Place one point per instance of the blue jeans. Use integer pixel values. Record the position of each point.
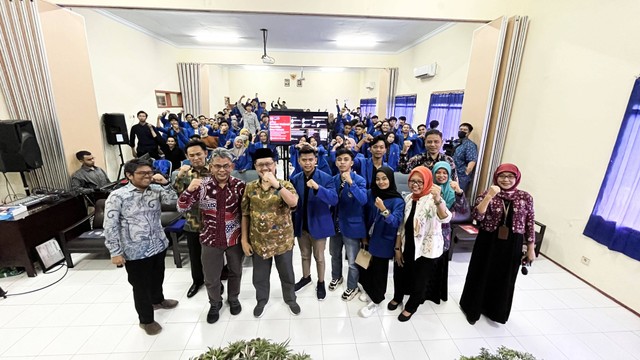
(464, 180)
(352, 247)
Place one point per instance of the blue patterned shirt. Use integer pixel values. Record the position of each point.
(132, 225)
(465, 153)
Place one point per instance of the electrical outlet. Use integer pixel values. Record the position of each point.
(585, 260)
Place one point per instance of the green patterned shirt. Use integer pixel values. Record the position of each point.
(192, 216)
(271, 226)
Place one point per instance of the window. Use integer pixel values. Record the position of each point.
(405, 104)
(168, 99)
(615, 219)
(367, 106)
(446, 109)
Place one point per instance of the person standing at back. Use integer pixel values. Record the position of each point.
(465, 156)
(197, 156)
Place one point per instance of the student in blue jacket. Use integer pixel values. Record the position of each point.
(323, 165)
(241, 158)
(368, 166)
(293, 155)
(312, 221)
(262, 141)
(392, 156)
(384, 214)
(348, 217)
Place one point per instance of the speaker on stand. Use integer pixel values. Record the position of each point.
(19, 149)
(115, 129)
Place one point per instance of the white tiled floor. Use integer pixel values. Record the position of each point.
(90, 315)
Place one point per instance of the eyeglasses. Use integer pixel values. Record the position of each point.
(416, 182)
(506, 177)
(219, 167)
(144, 173)
(265, 165)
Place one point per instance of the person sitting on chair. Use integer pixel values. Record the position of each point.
(89, 177)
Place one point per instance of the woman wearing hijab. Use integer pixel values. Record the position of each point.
(293, 155)
(506, 220)
(241, 159)
(384, 213)
(323, 165)
(456, 202)
(419, 251)
(392, 156)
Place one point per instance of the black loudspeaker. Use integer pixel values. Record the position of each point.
(19, 150)
(115, 127)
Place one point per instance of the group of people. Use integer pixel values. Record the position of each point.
(242, 127)
(231, 219)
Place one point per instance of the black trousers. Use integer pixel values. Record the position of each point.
(374, 278)
(146, 277)
(195, 256)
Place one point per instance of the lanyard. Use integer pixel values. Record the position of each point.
(506, 211)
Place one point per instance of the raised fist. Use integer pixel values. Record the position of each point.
(493, 190)
(195, 184)
(379, 204)
(407, 144)
(436, 191)
(455, 186)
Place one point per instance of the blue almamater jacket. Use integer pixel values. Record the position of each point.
(319, 201)
(382, 240)
(350, 208)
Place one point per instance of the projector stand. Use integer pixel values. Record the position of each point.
(121, 162)
(24, 183)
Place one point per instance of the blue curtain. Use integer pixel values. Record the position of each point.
(446, 108)
(615, 220)
(404, 106)
(367, 106)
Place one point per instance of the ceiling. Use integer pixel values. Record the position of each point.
(241, 31)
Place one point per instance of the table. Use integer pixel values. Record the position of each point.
(18, 238)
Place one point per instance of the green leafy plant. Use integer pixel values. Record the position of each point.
(502, 353)
(255, 349)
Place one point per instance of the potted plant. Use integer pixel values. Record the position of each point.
(253, 349)
(502, 353)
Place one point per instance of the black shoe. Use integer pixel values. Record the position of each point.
(392, 306)
(221, 289)
(234, 307)
(214, 313)
(302, 283)
(404, 318)
(321, 292)
(258, 311)
(224, 275)
(193, 290)
(294, 309)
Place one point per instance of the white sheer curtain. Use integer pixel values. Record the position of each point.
(189, 79)
(26, 85)
(393, 86)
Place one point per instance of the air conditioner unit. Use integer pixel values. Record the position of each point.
(425, 71)
(370, 85)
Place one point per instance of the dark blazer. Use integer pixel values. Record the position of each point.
(318, 205)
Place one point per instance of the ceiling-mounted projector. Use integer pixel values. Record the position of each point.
(266, 59)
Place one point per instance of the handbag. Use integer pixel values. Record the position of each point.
(363, 258)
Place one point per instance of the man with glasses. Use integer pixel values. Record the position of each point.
(433, 143)
(218, 201)
(135, 237)
(197, 155)
(267, 230)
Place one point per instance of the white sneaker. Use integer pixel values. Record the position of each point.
(369, 310)
(364, 297)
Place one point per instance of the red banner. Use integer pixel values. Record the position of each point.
(280, 128)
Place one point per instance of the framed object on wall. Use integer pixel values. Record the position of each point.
(287, 82)
(168, 99)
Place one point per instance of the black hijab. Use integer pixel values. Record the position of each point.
(391, 191)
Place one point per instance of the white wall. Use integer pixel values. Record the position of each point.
(580, 63)
(450, 50)
(128, 66)
(319, 89)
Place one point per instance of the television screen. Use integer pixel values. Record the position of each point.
(286, 127)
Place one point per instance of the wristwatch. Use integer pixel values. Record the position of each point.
(385, 213)
(279, 187)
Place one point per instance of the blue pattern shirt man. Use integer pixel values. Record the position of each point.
(465, 156)
(135, 238)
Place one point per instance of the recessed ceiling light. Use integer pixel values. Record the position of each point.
(214, 37)
(356, 41)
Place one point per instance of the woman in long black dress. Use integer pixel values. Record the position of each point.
(506, 220)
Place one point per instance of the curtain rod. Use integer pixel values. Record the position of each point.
(448, 92)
